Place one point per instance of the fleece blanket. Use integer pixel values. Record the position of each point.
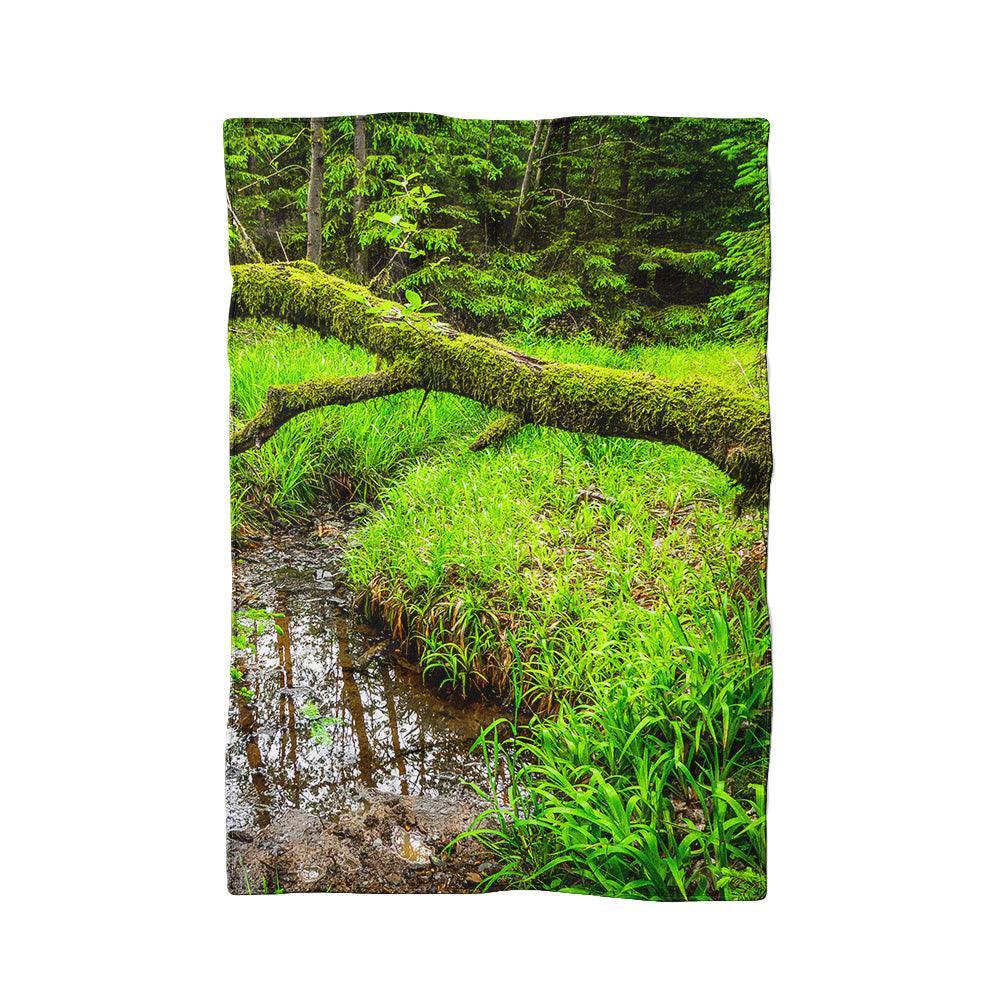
(500, 458)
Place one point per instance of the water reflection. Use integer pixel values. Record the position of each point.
(390, 732)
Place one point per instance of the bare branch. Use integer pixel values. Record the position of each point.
(594, 205)
(249, 247)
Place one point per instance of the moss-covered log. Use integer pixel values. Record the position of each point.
(501, 429)
(727, 428)
(286, 401)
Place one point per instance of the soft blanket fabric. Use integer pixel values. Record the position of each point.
(500, 459)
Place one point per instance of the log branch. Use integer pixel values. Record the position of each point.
(286, 401)
(501, 428)
(728, 428)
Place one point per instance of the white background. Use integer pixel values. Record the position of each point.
(883, 871)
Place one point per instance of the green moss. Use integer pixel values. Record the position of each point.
(730, 429)
(501, 428)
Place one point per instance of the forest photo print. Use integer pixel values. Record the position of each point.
(500, 460)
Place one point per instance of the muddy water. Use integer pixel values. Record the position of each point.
(336, 710)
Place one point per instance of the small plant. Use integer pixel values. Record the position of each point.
(415, 306)
(241, 689)
(403, 228)
(244, 634)
(265, 888)
(320, 725)
(243, 625)
(741, 884)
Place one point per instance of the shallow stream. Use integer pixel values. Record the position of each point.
(335, 708)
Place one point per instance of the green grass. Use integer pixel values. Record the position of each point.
(352, 452)
(334, 453)
(653, 786)
(603, 583)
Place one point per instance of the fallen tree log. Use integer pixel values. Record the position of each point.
(729, 429)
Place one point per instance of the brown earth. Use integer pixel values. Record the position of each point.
(392, 844)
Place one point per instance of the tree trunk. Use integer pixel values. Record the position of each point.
(592, 191)
(624, 173)
(527, 175)
(564, 167)
(541, 156)
(728, 428)
(252, 170)
(359, 256)
(314, 199)
(488, 186)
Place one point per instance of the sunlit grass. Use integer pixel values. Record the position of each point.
(352, 451)
(333, 453)
(653, 787)
(602, 582)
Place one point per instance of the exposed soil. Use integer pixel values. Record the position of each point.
(393, 843)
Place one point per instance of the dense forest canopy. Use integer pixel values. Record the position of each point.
(632, 229)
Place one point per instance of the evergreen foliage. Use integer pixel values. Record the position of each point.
(631, 229)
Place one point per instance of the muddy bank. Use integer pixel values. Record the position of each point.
(344, 772)
(392, 843)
